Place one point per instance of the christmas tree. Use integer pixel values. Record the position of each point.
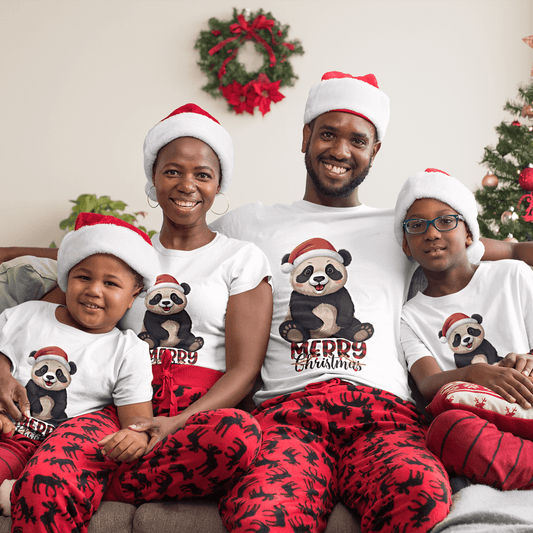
(506, 195)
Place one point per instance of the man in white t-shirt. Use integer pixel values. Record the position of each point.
(337, 416)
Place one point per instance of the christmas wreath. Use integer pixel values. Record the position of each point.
(244, 91)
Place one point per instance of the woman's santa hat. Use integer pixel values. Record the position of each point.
(166, 281)
(308, 249)
(359, 95)
(452, 323)
(439, 185)
(189, 120)
(104, 234)
(54, 353)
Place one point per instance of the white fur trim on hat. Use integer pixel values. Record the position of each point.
(106, 238)
(352, 94)
(440, 186)
(189, 124)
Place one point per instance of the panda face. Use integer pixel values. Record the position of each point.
(466, 338)
(50, 375)
(319, 276)
(165, 301)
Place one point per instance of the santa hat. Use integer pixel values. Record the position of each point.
(452, 323)
(166, 281)
(433, 183)
(189, 120)
(103, 234)
(311, 248)
(360, 96)
(51, 352)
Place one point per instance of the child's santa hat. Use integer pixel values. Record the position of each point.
(54, 353)
(452, 323)
(433, 183)
(306, 250)
(103, 234)
(189, 120)
(360, 96)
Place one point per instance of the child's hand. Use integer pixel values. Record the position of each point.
(157, 428)
(125, 445)
(523, 362)
(7, 428)
(509, 383)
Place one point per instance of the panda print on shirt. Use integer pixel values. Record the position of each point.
(466, 339)
(321, 307)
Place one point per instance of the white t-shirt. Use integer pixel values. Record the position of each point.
(110, 368)
(214, 272)
(377, 282)
(500, 292)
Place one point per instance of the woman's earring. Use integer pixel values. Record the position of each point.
(227, 207)
(148, 199)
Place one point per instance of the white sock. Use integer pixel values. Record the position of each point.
(5, 496)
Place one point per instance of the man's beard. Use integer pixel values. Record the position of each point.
(331, 192)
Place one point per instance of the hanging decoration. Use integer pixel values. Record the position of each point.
(228, 77)
(490, 180)
(526, 182)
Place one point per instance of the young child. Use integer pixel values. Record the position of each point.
(73, 360)
(436, 225)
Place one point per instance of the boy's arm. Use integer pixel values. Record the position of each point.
(8, 253)
(495, 250)
(127, 445)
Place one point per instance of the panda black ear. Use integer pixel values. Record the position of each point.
(186, 288)
(73, 368)
(346, 257)
(285, 259)
(477, 318)
(32, 354)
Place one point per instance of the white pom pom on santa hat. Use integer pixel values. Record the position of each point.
(189, 120)
(103, 234)
(311, 248)
(359, 95)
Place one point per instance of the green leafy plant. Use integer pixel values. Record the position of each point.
(90, 203)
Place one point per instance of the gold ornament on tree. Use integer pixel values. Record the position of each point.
(510, 238)
(490, 180)
(527, 111)
(509, 216)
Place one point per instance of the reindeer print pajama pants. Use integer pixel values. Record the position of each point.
(339, 442)
(67, 477)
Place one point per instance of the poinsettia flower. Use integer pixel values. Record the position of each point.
(265, 92)
(238, 97)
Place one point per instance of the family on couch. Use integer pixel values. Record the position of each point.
(335, 419)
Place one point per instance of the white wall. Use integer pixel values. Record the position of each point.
(82, 81)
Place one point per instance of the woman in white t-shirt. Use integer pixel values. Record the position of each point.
(205, 358)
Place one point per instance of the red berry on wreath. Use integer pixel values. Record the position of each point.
(526, 179)
(490, 180)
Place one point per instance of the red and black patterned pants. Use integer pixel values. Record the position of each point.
(66, 478)
(339, 442)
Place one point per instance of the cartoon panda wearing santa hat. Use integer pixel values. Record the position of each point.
(51, 374)
(466, 338)
(320, 305)
(166, 323)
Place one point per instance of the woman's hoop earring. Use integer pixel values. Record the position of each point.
(227, 207)
(148, 199)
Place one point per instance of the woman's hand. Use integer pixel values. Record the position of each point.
(12, 392)
(7, 428)
(125, 445)
(522, 362)
(509, 383)
(157, 428)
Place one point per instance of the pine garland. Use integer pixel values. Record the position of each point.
(227, 77)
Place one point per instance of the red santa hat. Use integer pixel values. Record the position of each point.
(166, 281)
(54, 353)
(311, 248)
(434, 183)
(189, 120)
(359, 95)
(104, 234)
(452, 323)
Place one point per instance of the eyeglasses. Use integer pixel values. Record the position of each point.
(417, 226)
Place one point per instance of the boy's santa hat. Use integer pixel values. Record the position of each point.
(312, 248)
(452, 323)
(54, 353)
(104, 234)
(359, 95)
(166, 281)
(439, 185)
(189, 120)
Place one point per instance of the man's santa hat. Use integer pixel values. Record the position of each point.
(452, 323)
(189, 120)
(439, 185)
(104, 234)
(166, 281)
(54, 353)
(359, 95)
(308, 249)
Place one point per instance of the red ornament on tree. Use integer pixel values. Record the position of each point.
(526, 179)
(490, 180)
